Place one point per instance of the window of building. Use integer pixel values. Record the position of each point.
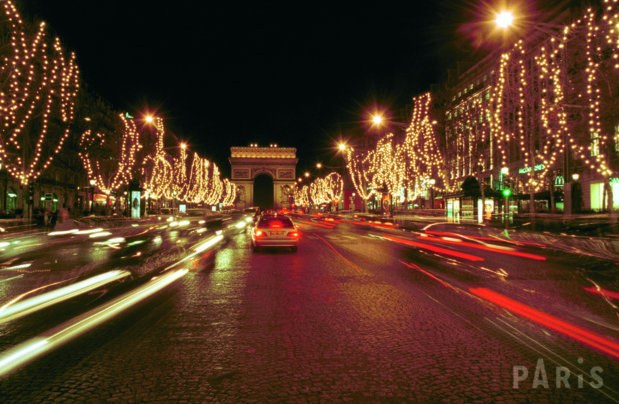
(485, 77)
(487, 115)
(465, 90)
(11, 200)
(459, 94)
(595, 144)
(454, 98)
(448, 116)
(617, 138)
(471, 87)
(488, 94)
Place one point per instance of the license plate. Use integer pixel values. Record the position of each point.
(277, 233)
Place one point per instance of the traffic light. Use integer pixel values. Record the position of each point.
(30, 193)
(507, 192)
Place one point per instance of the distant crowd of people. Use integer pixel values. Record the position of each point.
(46, 218)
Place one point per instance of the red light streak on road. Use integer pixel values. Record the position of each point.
(318, 224)
(486, 248)
(600, 342)
(413, 266)
(440, 233)
(435, 249)
(337, 252)
(603, 292)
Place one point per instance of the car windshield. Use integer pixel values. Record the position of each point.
(275, 222)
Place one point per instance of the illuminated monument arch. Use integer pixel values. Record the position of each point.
(278, 163)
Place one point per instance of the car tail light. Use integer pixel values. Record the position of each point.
(276, 226)
(293, 234)
(257, 233)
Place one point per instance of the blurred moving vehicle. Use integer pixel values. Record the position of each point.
(274, 231)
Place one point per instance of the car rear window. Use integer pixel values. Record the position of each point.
(283, 222)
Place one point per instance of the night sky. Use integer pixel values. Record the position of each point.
(299, 74)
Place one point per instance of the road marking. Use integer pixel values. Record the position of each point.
(349, 263)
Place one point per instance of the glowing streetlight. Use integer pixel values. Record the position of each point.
(149, 118)
(504, 19)
(307, 174)
(319, 165)
(300, 179)
(377, 119)
(342, 146)
(183, 145)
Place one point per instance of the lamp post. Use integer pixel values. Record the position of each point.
(92, 193)
(506, 192)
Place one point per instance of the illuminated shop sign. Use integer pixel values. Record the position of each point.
(525, 170)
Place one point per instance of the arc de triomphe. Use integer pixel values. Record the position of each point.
(277, 162)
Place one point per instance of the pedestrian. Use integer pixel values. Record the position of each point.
(53, 220)
(40, 219)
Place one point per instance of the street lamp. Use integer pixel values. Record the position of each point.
(575, 176)
(300, 179)
(307, 174)
(319, 165)
(504, 19)
(92, 192)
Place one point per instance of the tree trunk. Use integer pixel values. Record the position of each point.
(552, 194)
(611, 203)
(483, 198)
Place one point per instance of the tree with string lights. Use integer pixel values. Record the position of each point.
(156, 169)
(362, 171)
(109, 157)
(40, 82)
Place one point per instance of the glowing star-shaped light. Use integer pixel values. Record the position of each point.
(504, 19)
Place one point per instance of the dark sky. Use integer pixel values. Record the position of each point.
(300, 74)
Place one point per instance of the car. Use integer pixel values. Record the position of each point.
(274, 231)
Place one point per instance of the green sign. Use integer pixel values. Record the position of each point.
(613, 180)
(525, 170)
(559, 181)
(128, 116)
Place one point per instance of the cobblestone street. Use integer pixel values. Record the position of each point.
(306, 327)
